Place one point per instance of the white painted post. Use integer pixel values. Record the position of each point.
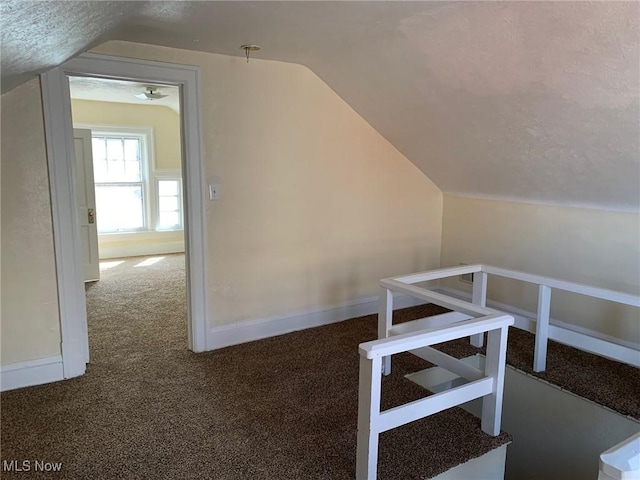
(368, 415)
(495, 368)
(385, 320)
(542, 329)
(479, 297)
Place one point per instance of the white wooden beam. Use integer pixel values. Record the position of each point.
(385, 321)
(437, 298)
(424, 407)
(588, 290)
(479, 297)
(437, 274)
(411, 341)
(495, 364)
(542, 329)
(428, 322)
(449, 363)
(368, 414)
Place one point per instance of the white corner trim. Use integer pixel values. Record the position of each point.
(565, 333)
(248, 331)
(32, 372)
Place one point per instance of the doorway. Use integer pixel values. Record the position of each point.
(128, 169)
(62, 171)
(130, 211)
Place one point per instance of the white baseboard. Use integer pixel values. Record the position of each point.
(139, 249)
(225, 336)
(565, 333)
(32, 372)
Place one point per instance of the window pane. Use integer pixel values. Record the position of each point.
(99, 152)
(169, 204)
(119, 207)
(132, 160)
(114, 149)
(169, 220)
(168, 188)
(115, 170)
(132, 172)
(131, 149)
(100, 173)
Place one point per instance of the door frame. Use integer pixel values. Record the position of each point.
(61, 162)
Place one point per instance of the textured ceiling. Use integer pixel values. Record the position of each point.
(120, 91)
(534, 101)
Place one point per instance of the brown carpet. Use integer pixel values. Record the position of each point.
(606, 382)
(281, 408)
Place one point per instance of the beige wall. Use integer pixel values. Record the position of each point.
(165, 123)
(30, 321)
(596, 247)
(316, 206)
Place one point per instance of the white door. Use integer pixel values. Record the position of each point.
(86, 204)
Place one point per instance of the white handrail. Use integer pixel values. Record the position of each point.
(489, 386)
(431, 336)
(405, 284)
(567, 286)
(580, 288)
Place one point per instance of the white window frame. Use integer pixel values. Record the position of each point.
(152, 175)
(145, 134)
(159, 175)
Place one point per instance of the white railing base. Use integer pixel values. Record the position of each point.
(488, 384)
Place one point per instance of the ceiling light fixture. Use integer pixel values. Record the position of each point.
(150, 94)
(249, 48)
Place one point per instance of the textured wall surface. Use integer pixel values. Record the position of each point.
(588, 246)
(30, 321)
(316, 206)
(534, 101)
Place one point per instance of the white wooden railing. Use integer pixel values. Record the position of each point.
(405, 284)
(488, 383)
(466, 319)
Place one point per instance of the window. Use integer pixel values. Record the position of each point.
(130, 195)
(120, 183)
(169, 204)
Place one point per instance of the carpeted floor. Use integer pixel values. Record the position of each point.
(281, 408)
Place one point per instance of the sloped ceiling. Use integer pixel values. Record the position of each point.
(533, 101)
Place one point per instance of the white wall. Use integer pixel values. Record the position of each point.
(596, 247)
(30, 320)
(316, 206)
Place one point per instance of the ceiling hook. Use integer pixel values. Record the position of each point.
(249, 48)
